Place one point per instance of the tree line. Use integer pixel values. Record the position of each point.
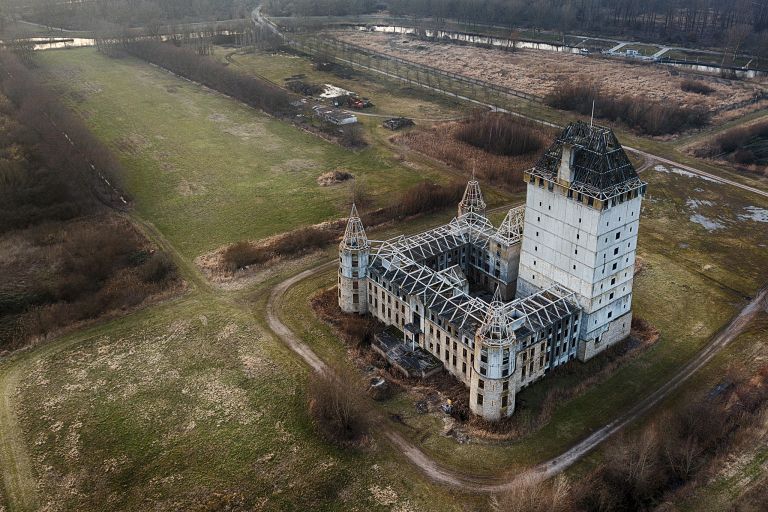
(89, 14)
(190, 64)
(62, 143)
(65, 257)
(736, 25)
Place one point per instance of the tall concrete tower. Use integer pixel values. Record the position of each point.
(581, 221)
(354, 251)
(493, 384)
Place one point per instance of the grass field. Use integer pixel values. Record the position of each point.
(194, 405)
(191, 406)
(206, 169)
(694, 281)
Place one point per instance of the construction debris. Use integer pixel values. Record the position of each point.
(398, 123)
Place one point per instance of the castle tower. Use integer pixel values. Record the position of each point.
(493, 385)
(472, 202)
(581, 222)
(354, 251)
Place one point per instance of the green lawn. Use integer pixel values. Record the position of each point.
(205, 169)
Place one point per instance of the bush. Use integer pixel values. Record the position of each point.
(744, 144)
(500, 134)
(337, 407)
(646, 116)
(640, 467)
(696, 86)
(158, 268)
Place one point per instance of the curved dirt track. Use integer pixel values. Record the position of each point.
(446, 476)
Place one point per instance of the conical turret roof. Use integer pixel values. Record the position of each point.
(472, 202)
(354, 235)
(511, 229)
(497, 326)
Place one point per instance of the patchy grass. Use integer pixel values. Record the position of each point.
(191, 406)
(693, 283)
(205, 169)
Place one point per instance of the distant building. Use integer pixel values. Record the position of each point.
(502, 306)
(334, 115)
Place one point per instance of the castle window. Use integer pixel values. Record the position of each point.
(616, 251)
(610, 314)
(577, 236)
(539, 203)
(479, 399)
(613, 280)
(575, 251)
(505, 385)
(574, 267)
(590, 201)
(481, 383)
(610, 297)
(614, 266)
(538, 219)
(618, 235)
(355, 298)
(504, 401)
(355, 285)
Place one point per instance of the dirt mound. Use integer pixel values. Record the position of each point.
(334, 177)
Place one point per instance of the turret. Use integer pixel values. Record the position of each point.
(492, 388)
(354, 251)
(472, 202)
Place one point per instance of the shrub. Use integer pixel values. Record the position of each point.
(696, 86)
(157, 269)
(337, 407)
(744, 144)
(500, 134)
(534, 494)
(649, 117)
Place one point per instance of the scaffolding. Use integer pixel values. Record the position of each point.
(511, 229)
(354, 234)
(399, 262)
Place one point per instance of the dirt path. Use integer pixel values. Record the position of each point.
(20, 486)
(449, 477)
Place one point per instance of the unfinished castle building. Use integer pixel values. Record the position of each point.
(500, 307)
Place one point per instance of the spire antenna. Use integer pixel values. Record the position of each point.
(592, 118)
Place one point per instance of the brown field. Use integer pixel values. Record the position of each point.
(439, 142)
(538, 72)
